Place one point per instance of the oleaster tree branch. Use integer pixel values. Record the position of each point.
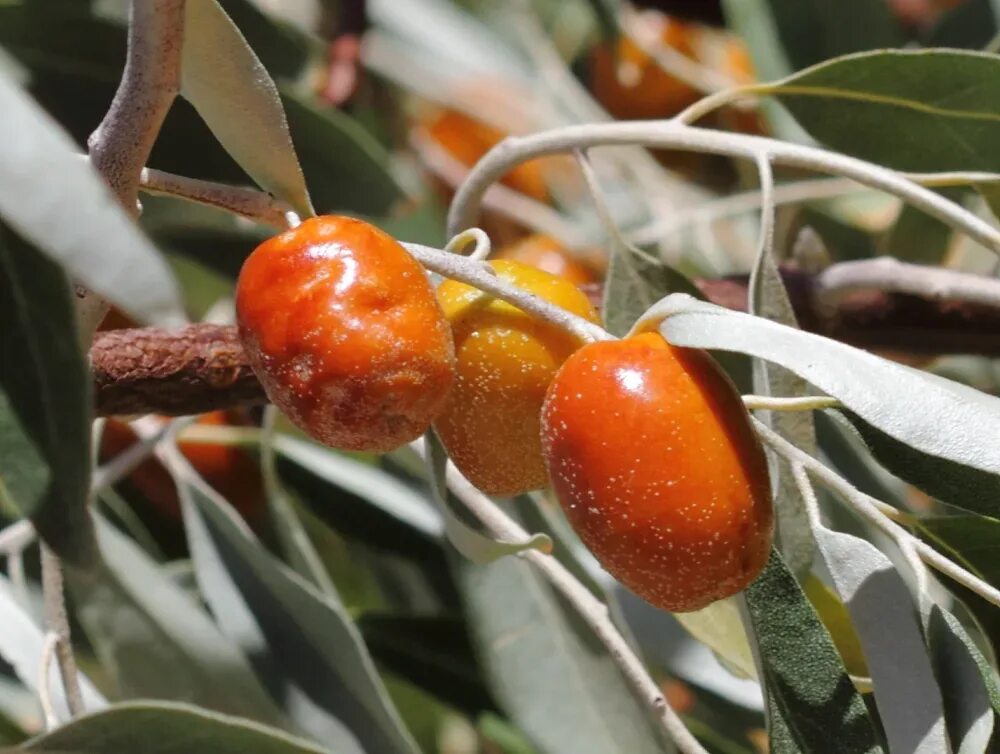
(203, 367)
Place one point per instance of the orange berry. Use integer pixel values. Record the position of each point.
(505, 361)
(467, 140)
(343, 329)
(653, 458)
(548, 255)
(631, 85)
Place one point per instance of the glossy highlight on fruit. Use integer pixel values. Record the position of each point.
(343, 329)
(654, 460)
(506, 360)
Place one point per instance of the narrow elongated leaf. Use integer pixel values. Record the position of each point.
(634, 282)
(546, 669)
(54, 199)
(294, 633)
(45, 401)
(156, 641)
(879, 392)
(972, 540)
(21, 643)
(918, 110)
(230, 88)
(166, 728)
(813, 705)
(885, 618)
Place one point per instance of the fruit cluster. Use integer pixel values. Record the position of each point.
(647, 446)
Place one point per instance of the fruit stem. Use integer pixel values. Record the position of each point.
(594, 612)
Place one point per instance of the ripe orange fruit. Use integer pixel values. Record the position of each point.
(231, 471)
(505, 361)
(548, 255)
(343, 329)
(467, 140)
(652, 457)
(631, 85)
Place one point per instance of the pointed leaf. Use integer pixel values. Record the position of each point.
(167, 728)
(295, 633)
(232, 91)
(814, 707)
(916, 110)
(45, 401)
(156, 641)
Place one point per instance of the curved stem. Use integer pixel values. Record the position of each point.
(57, 623)
(44, 692)
(872, 511)
(674, 135)
(592, 610)
(482, 276)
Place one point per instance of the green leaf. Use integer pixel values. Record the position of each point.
(969, 25)
(156, 641)
(347, 169)
(54, 199)
(635, 281)
(546, 668)
(166, 728)
(915, 110)
(919, 238)
(974, 540)
(954, 433)
(815, 707)
(230, 88)
(296, 635)
(909, 701)
(45, 401)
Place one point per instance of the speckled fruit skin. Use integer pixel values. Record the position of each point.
(653, 458)
(506, 360)
(548, 255)
(345, 333)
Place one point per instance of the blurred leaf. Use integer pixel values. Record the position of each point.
(908, 698)
(606, 12)
(967, 680)
(916, 110)
(229, 86)
(919, 238)
(295, 635)
(281, 47)
(837, 619)
(963, 462)
(508, 738)
(155, 641)
(969, 25)
(431, 652)
(634, 282)
(720, 628)
(346, 168)
(546, 668)
(471, 543)
(55, 200)
(21, 642)
(383, 490)
(166, 728)
(813, 706)
(972, 540)
(45, 401)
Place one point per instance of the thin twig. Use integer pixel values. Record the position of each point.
(482, 276)
(49, 648)
(592, 610)
(16, 537)
(874, 511)
(891, 275)
(246, 202)
(58, 623)
(150, 82)
(674, 135)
